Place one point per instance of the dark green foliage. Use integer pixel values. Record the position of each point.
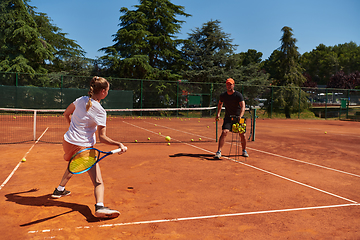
(207, 53)
(286, 73)
(29, 43)
(324, 62)
(145, 45)
(21, 48)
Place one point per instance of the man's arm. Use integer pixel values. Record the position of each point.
(242, 108)
(220, 104)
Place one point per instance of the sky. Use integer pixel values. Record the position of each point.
(252, 24)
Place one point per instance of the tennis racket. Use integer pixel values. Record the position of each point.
(86, 158)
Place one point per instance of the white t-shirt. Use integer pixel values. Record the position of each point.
(84, 123)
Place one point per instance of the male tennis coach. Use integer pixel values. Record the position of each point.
(234, 110)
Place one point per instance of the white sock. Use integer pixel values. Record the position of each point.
(100, 204)
(60, 188)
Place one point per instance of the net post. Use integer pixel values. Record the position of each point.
(253, 130)
(216, 123)
(34, 127)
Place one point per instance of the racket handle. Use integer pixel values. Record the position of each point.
(117, 150)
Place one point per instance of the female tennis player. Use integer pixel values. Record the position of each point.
(85, 115)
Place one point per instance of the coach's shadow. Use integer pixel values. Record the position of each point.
(209, 157)
(47, 201)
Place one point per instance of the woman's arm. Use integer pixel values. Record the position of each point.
(105, 139)
(69, 110)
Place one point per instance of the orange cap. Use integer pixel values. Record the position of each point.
(230, 80)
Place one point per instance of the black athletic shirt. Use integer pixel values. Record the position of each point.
(231, 103)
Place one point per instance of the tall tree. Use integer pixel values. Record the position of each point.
(21, 48)
(147, 35)
(287, 76)
(30, 43)
(65, 49)
(207, 53)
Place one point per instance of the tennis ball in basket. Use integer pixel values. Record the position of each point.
(168, 138)
(23, 160)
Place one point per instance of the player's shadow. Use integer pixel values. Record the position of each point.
(209, 157)
(47, 201)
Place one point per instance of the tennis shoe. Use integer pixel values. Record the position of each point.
(59, 194)
(104, 212)
(245, 154)
(218, 154)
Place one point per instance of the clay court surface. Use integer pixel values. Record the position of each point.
(298, 183)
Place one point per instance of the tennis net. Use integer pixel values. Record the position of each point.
(125, 125)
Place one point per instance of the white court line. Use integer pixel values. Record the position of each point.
(259, 169)
(198, 217)
(276, 155)
(18, 165)
(313, 164)
(353, 203)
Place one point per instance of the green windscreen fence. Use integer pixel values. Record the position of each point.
(57, 98)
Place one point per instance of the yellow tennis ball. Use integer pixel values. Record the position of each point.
(325, 132)
(23, 160)
(168, 144)
(148, 138)
(192, 140)
(135, 140)
(168, 138)
(199, 139)
(159, 133)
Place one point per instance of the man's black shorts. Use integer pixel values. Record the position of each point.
(229, 121)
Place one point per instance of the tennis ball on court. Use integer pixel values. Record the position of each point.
(159, 133)
(14, 117)
(148, 138)
(23, 160)
(135, 140)
(168, 144)
(207, 126)
(192, 140)
(325, 132)
(199, 139)
(168, 138)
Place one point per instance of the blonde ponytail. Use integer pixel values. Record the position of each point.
(96, 85)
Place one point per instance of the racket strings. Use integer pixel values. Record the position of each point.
(83, 161)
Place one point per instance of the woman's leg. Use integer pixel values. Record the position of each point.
(96, 178)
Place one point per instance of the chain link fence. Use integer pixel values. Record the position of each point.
(57, 91)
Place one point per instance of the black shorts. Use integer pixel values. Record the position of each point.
(229, 121)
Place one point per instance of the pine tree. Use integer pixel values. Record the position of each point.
(287, 76)
(21, 49)
(147, 38)
(30, 43)
(65, 50)
(207, 53)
